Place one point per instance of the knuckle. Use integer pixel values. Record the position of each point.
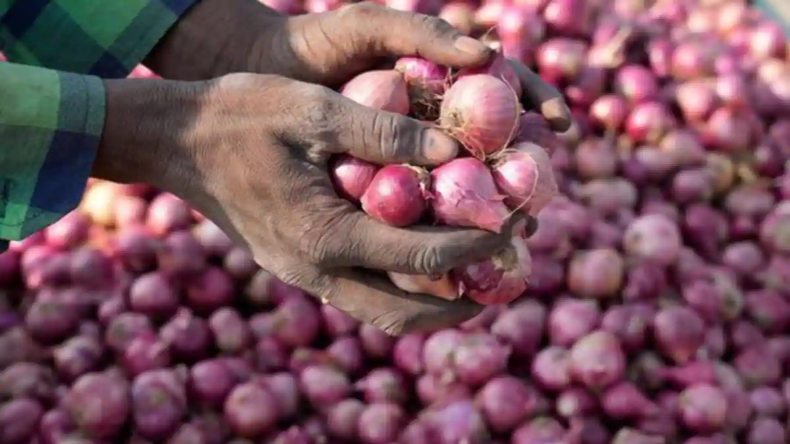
(428, 260)
(323, 244)
(320, 248)
(432, 25)
(320, 108)
(393, 324)
(362, 10)
(399, 138)
(305, 278)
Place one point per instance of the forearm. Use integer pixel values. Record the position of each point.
(214, 38)
(106, 38)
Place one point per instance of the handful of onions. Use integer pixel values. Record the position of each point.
(503, 170)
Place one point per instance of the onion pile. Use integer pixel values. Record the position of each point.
(502, 170)
(658, 303)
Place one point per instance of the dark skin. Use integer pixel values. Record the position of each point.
(250, 150)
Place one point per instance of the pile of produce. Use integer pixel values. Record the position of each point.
(657, 302)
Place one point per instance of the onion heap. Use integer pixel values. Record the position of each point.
(658, 307)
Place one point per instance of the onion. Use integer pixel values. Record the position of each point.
(597, 360)
(500, 279)
(482, 112)
(397, 195)
(426, 81)
(383, 90)
(654, 238)
(464, 194)
(524, 173)
(351, 176)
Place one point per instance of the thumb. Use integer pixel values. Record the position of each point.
(391, 32)
(385, 138)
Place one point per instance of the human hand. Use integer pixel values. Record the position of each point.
(327, 48)
(250, 152)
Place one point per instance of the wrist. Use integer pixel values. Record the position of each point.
(146, 133)
(214, 38)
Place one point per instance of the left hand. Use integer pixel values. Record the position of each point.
(330, 48)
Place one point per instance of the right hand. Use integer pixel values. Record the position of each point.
(250, 152)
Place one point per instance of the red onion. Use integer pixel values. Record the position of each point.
(478, 358)
(654, 238)
(380, 423)
(464, 194)
(500, 279)
(561, 59)
(482, 112)
(506, 401)
(456, 422)
(426, 81)
(551, 368)
(703, 408)
(625, 401)
(679, 332)
(351, 176)
(397, 195)
(524, 173)
(438, 349)
(383, 90)
(597, 360)
(521, 327)
(572, 319)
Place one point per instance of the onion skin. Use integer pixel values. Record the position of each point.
(498, 280)
(423, 76)
(351, 176)
(524, 173)
(482, 112)
(597, 360)
(397, 195)
(464, 194)
(385, 90)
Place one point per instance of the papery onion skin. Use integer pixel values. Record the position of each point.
(385, 90)
(351, 176)
(525, 175)
(482, 112)
(397, 195)
(498, 280)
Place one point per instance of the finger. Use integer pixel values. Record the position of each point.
(422, 250)
(531, 226)
(545, 97)
(388, 32)
(372, 299)
(385, 138)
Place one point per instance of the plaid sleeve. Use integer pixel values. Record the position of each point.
(105, 38)
(50, 128)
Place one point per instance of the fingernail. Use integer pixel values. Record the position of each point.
(438, 147)
(470, 45)
(557, 112)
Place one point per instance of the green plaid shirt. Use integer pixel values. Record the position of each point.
(52, 101)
